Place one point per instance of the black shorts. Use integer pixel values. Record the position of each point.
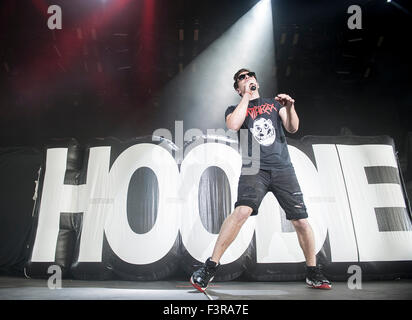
(282, 183)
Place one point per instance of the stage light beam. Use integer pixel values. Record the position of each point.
(399, 7)
(202, 96)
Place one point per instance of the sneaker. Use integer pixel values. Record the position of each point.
(201, 278)
(316, 279)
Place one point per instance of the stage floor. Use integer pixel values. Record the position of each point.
(13, 288)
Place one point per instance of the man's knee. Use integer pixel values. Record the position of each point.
(241, 214)
(301, 225)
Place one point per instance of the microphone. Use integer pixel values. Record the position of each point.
(252, 87)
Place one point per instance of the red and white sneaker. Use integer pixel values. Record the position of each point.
(201, 278)
(316, 279)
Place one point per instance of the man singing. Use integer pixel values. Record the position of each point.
(264, 117)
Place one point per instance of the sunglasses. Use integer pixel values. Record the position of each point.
(243, 76)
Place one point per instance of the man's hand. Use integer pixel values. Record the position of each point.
(285, 100)
(288, 115)
(248, 84)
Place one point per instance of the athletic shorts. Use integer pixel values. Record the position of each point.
(282, 183)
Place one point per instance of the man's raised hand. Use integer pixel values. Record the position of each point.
(285, 100)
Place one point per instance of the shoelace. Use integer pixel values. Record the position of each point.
(205, 274)
(204, 269)
(317, 272)
(202, 265)
(318, 275)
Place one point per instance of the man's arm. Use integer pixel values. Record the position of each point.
(288, 114)
(235, 120)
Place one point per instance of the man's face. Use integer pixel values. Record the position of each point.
(244, 79)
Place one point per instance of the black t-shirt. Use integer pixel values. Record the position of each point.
(265, 126)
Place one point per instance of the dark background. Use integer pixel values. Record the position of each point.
(102, 73)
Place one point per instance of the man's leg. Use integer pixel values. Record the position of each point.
(306, 240)
(286, 188)
(251, 190)
(229, 231)
(314, 276)
(201, 278)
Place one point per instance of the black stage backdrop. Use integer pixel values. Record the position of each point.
(19, 169)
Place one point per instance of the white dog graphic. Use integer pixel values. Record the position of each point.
(263, 131)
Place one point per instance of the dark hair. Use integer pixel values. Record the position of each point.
(235, 85)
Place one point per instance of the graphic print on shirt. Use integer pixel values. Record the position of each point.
(254, 111)
(264, 126)
(263, 131)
